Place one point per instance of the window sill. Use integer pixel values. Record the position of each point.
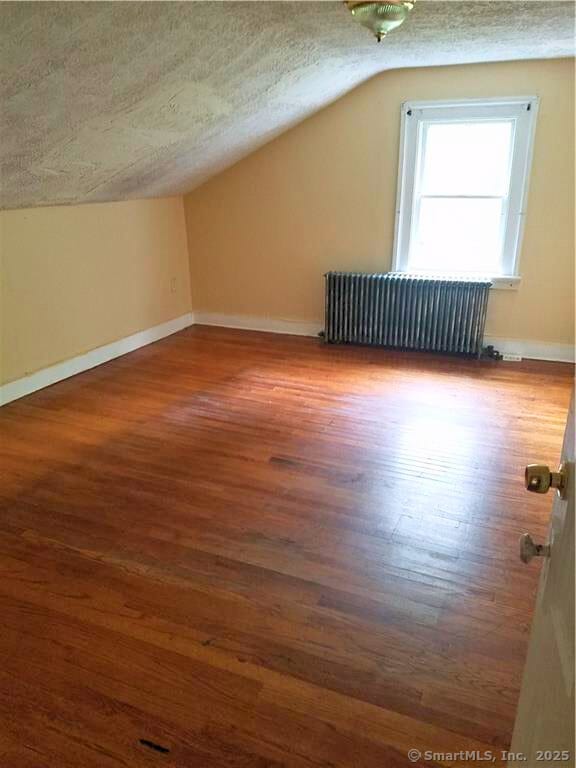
(507, 283)
(499, 283)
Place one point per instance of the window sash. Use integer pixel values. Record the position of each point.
(416, 116)
(463, 261)
(423, 132)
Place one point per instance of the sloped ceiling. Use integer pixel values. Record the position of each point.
(115, 100)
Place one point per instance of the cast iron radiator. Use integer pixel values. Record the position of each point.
(395, 309)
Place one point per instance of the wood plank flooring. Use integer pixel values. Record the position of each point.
(240, 549)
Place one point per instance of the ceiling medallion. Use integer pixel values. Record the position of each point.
(380, 18)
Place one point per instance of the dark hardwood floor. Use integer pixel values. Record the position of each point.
(240, 549)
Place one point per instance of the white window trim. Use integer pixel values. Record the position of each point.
(520, 172)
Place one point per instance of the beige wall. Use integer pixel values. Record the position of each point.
(75, 278)
(322, 196)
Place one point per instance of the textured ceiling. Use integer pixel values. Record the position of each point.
(115, 100)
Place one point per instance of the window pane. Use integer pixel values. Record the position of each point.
(467, 158)
(457, 235)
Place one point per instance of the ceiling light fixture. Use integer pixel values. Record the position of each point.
(380, 18)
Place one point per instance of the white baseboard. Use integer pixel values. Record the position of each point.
(265, 324)
(533, 350)
(48, 376)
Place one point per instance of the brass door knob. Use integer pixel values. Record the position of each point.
(528, 549)
(539, 479)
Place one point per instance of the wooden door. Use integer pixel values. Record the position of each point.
(544, 729)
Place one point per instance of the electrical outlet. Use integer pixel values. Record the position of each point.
(173, 285)
(511, 357)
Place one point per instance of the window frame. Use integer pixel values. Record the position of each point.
(524, 111)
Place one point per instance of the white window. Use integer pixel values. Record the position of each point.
(462, 187)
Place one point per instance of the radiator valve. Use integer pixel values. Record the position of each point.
(490, 353)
